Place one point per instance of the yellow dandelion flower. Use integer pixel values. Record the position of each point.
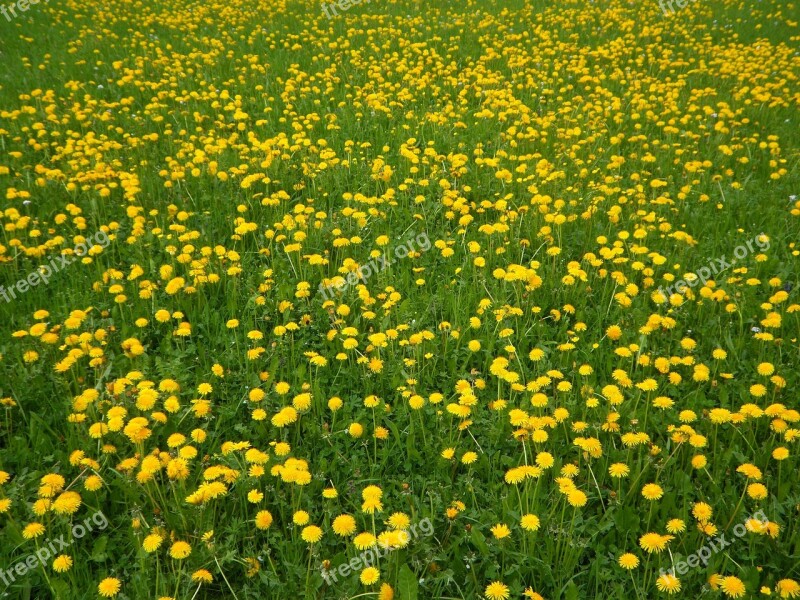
(668, 583)
(733, 587)
(311, 534)
(202, 576)
(109, 587)
(501, 531)
(530, 522)
(652, 491)
(628, 561)
(33, 530)
(180, 550)
(152, 542)
(344, 525)
(496, 590)
(62, 563)
(370, 575)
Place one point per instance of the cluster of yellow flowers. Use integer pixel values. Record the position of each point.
(242, 416)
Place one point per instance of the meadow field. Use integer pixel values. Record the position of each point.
(403, 300)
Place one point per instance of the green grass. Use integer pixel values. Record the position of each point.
(110, 117)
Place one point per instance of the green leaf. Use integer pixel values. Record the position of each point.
(99, 549)
(411, 448)
(407, 586)
(479, 542)
(571, 592)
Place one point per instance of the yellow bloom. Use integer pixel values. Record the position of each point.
(263, 519)
(62, 563)
(33, 530)
(311, 534)
(67, 503)
(496, 591)
(780, 453)
(530, 522)
(618, 470)
(668, 583)
(202, 576)
(180, 550)
(676, 526)
(652, 491)
(654, 542)
(469, 457)
(702, 512)
(364, 540)
(501, 531)
(152, 542)
(628, 561)
(576, 498)
(109, 587)
(370, 575)
(788, 588)
(733, 587)
(344, 525)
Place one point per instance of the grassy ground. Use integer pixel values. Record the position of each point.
(500, 195)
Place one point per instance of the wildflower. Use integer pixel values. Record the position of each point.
(496, 591)
(62, 563)
(202, 576)
(364, 540)
(370, 575)
(788, 588)
(33, 530)
(654, 542)
(628, 561)
(780, 453)
(757, 491)
(676, 526)
(500, 531)
(399, 520)
(576, 498)
(652, 491)
(180, 550)
(469, 457)
(386, 592)
(109, 587)
(311, 534)
(263, 519)
(344, 525)
(618, 470)
(530, 522)
(152, 542)
(668, 583)
(702, 512)
(733, 587)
